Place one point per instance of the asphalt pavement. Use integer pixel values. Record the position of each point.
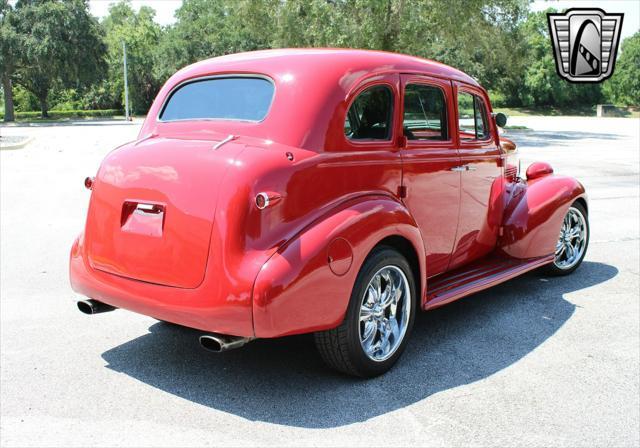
(535, 361)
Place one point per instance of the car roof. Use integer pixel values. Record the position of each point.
(312, 92)
(339, 59)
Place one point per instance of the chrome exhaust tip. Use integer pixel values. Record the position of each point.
(218, 343)
(91, 306)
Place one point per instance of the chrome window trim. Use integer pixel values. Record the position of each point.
(208, 77)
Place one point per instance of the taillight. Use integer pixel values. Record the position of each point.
(88, 183)
(265, 199)
(262, 201)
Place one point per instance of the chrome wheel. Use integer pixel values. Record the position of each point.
(573, 240)
(384, 313)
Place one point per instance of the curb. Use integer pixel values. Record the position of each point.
(22, 144)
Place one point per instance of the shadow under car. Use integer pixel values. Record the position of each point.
(284, 381)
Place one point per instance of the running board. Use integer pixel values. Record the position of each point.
(477, 276)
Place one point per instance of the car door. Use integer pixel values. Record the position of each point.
(430, 165)
(481, 203)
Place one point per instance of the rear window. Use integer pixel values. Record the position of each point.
(232, 98)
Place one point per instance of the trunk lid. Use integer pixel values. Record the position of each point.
(152, 209)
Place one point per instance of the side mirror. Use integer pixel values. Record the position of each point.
(501, 119)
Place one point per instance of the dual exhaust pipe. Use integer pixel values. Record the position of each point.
(216, 343)
(91, 306)
(219, 343)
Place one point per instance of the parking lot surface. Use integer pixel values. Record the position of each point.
(534, 361)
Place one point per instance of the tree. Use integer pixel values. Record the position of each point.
(542, 86)
(141, 35)
(209, 28)
(9, 51)
(479, 37)
(61, 46)
(624, 85)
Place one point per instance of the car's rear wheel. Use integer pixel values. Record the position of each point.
(573, 241)
(379, 318)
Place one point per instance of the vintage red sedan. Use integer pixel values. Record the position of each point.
(331, 191)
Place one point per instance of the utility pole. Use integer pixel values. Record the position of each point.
(126, 84)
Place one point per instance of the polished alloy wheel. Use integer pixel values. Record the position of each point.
(384, 313)
(573, 240)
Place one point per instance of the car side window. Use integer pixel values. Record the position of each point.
(472, 117)
(425, 113)
(369, 117)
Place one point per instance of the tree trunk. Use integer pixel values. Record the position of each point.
(44, 107)
(8, 98)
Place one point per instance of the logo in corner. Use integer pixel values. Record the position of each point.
(585, 43)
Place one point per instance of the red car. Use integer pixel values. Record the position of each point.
(330, 191)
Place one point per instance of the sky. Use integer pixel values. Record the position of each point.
(630, 8)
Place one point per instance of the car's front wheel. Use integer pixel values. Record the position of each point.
(379, 318)
(573, 241)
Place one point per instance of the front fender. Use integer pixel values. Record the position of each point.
(306, 285)
(534, 213)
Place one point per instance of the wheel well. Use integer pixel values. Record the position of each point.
(583, 202)
(405, 247)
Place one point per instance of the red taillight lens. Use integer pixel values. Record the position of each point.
(88, 183)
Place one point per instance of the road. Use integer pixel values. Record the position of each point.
(535, 361)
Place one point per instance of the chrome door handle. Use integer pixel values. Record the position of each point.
(463, 168)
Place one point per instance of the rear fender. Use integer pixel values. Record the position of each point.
(534, 213)
(306, 285)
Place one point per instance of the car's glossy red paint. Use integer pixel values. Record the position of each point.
(173, 230)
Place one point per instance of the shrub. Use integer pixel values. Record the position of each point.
(497, 99)
(68, 114)
(23, 100)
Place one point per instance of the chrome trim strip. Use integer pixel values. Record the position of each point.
(229, 138)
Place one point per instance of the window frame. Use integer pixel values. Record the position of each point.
(485, 118)
(392, 119)
(446, 87)
(182, 84)
(446, 126)
(489, 127)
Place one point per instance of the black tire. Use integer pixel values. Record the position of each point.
(340, 347)
(554, 270)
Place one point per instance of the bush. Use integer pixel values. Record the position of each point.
(497, 99)
(100, 96)
(65, 99)
(23, 100)
(68, 114)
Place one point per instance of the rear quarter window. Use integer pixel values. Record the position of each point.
(240, 98)
(369, 117)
